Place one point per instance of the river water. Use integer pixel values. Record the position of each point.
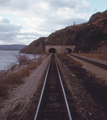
(7, 59)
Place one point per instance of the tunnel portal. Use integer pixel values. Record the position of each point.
(59, 49)
(67, 50)
(52, 50)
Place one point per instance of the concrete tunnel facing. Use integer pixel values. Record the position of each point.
(59, 49)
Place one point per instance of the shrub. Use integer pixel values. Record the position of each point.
(22, 59)
(15, 78)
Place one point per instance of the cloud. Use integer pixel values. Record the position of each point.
(40, 18)
(10, 28)
(14, 4)
(62, 3)
(8, 31)
(7, 36)
(4, 2)
(4, 20)
(6, 26)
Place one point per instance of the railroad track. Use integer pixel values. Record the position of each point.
(99, 63)
(53, 103)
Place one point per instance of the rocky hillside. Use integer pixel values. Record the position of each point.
(87, 36)
(36, 47)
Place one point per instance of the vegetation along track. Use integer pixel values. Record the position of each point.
(53, 104)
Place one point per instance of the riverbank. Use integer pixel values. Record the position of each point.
(19, 97)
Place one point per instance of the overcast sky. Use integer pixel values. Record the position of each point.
(23, 21)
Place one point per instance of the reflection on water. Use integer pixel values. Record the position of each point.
(7, 58)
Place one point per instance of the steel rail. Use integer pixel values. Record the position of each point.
(99, 63)
(35, 118)
(65, 98)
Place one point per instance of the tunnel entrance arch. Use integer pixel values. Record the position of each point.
(67, 50)
(52, 50)
(59, 48)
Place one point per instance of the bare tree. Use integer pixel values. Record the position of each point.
(22, 59)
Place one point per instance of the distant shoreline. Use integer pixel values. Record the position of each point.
(9, 50)
(14, 47)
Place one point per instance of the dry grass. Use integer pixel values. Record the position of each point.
(13, 79)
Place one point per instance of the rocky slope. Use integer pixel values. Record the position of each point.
(36, 47)
(87, 36)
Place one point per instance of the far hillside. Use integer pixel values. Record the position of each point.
(12, 47)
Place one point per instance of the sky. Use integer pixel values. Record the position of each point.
(23, 21)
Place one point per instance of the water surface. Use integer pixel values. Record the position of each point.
(8, 58)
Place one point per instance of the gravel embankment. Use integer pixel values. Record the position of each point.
(22, 100)
(97, 71)
(86, 94)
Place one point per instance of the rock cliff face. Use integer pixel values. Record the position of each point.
(87, 36)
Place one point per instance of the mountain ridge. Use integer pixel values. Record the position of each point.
(86, 36)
